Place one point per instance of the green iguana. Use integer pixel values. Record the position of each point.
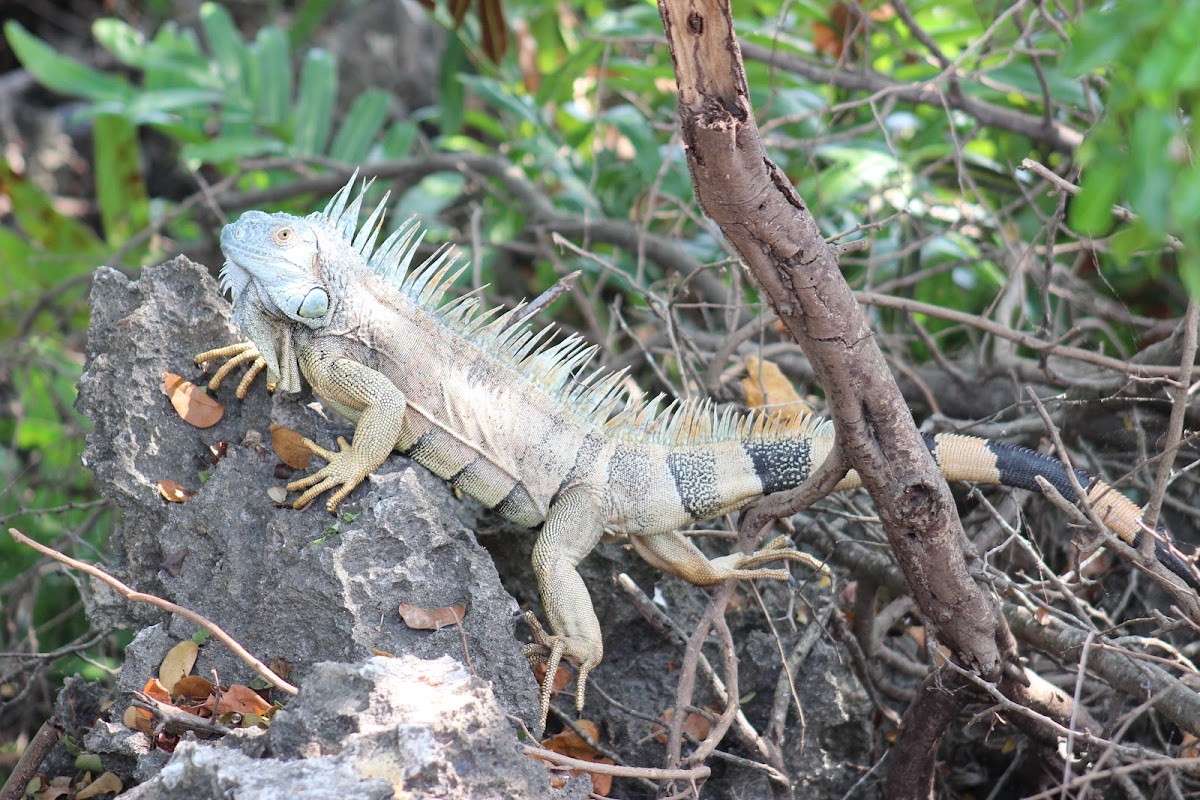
(484, 400)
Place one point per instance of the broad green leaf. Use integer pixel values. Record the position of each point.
(399, 139)
(362, 124)
(121, 39)
(61, 73)
(558, 85)
(496, 95)
(225, 45)
(1091, 211)
(453, 93)
(273, 91)
(307, 18)
(227, 149)
(314, 104)
(120, 189)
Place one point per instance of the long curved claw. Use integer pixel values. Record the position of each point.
(549, 649)
(344, 470)
(238, 354)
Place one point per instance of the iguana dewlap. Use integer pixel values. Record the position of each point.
(488, 403)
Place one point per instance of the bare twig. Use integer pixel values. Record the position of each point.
(141, 597)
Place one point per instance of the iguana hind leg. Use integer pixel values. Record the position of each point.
(674, 553)
(572, 529)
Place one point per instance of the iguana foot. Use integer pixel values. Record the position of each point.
(345, 469)
(674, 553)
(745, 566)
(550, 650)
(238, 354)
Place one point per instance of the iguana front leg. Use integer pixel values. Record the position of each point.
(572, 529)
(358, 392)
(675, 553)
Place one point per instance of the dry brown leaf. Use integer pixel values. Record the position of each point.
(191, 688)
(243, 700)
(138, 719)
(431, 619)
(917, 634)
(108, 783)
(695, 725)
(767, 388)
(178, 662)
(191, 402)
(154, 689)
(175, 492)
(562, 677)
(289, 446)
(568, 743)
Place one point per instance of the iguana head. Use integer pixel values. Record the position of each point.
(279, 256)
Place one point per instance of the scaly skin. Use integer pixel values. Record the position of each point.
(482, 402)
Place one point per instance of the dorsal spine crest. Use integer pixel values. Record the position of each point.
(558, 368)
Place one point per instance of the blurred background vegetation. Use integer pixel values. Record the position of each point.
(543, 138)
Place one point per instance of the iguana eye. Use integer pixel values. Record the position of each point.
(284, 235)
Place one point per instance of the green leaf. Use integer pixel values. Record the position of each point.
(307, 18)
(226, 45)
(558, 85)
(361, 126)
(122, 40)
(1091, 211)
(120, 189)
(453, 93)
(60, 73)
(226, 149)
(314, 105)
(273, 93)
(400, 139)
(1189, 271)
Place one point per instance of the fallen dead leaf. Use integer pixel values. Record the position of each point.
(243, 700)
(192, 403)
(138, 719)
(431, 619)
(569, 743)
(289, 447)
(191, 688)
(156, 690)
(694, 725)
(107, 783)
(562, 677)
(175, 492)
(178, 662)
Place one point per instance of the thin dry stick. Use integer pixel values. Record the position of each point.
(1024, 339)
(651, 773)
(1175, 425)
(31, 760)
(141, 597)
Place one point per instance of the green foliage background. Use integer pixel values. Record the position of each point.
(583, 106)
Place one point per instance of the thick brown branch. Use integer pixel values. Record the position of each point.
(760, 213)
